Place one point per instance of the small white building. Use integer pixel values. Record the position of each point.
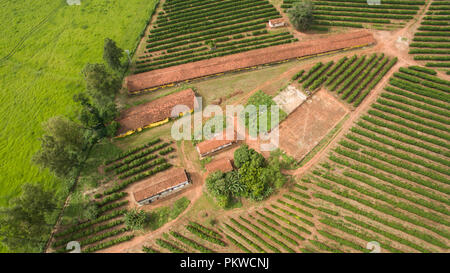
(277, 23)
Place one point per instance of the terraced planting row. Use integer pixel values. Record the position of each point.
(431, 42)
(194, 30)
(351, 77)
(108, 228)
(389, 176)
(358, 14)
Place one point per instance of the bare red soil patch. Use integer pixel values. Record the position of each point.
(309, 123)
(247, 59)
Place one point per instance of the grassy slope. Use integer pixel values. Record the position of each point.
(39, 80)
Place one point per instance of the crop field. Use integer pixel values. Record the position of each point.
(386, 181)
(358, 14)
(352, 78)
(431, 42)
(44, 46)
(193, 30)
(111, 199)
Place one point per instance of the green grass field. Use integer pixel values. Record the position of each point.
(43, 47)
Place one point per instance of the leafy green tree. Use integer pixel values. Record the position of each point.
(63, 147)
(301, 15)
(112, 54)
(136, 219)
(101, 85)
(241, 155)
(26, 222)
(80, 209)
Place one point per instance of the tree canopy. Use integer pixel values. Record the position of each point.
(26, 222)
(112, 54)
(254, 179)
(63, 146)
(136, 219)
(301, 15)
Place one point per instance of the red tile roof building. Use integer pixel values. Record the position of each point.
(155, 111)
(224, 165)
(215, 144)
(174, 180)
(188, 71)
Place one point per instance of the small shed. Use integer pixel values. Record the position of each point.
(224, 165)
(274, 23)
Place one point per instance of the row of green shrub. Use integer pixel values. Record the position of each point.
(205, 230)
(279, 233)
(405, 131)
(216, 8)
(397, 193)
(219, 20)
(362, 235)
(87, 233)
(307, 83)
(133, 150)
(441, 107)
(168, 246)
(135, 163)
(351, 19)
(387, 210)
(248, 241)
(379, 219)
(389, 169)
(207, 237)
(194, 32)
(424, 76)
(109, 243)
(135, 156)
(236, 243)
(138, 177)
(254, 235)
(400, 146)
(366, 10)
(213, 15)
(354, 77)
(346, 73)
(190, 242)
(99, 219)
(112, 206)
(142, 168)
(111, 198)
(368, 79)
(362, 77)
(287, 221)
(364, 15)
(345, 64)
(268, 236)
(375, 81)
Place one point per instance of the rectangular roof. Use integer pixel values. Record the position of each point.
(154, 111)
(172, 178)
(246, 59)
(212, 144)
(224, 165)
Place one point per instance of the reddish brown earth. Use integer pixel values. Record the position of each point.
(251, 58)
(309, 123)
